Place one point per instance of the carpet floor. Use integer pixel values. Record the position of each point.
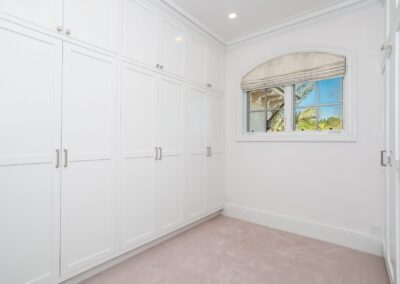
(226, 250)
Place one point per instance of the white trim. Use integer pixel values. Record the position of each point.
(324, 232)
(312, 15)
(349, 105)
(177, 8)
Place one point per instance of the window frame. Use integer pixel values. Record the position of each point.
(347, 134)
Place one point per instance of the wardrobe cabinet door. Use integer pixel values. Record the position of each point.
(195, 136)
(88, 168)
(215, 182)
(92, 21)
(195, 60)
(138, 156)
(139, 33)
(171, 48)
(215, 70)
(169, 138)
(43, 13)
(214, 123)
(30, 101)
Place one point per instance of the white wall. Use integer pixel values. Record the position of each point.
(327, 190)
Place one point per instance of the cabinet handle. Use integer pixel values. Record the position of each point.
(60, 28)
(67, 31)
(160, 149)
(158, 66)
(210, 151)
(65, 158)
(209, 85)
(382, 162)
(156, 156)
(162, 67)
(57, 159)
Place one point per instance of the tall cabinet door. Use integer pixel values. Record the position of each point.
(92, 21)
(137, 201)
(88, 186)
(215, 69)
(215, 157)
(171, 47)
(196, 138)
(30, 101)
(44, 13)
(195, 60)
(139, 33)
(170, 164)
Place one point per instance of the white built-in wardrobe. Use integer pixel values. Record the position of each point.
(111, 132)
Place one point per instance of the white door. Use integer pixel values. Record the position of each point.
(391, 154)
(214, 155)
(139, 90)
(171, 47)
(195, 188)
(195, 60)
(30, 134)
(215, 61)
(139, 33)
(88, 185)
(92, 21)
(44, 13)
(170, 165)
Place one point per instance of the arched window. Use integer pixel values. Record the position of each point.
(296, 93)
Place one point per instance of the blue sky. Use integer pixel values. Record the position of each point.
(329, 91)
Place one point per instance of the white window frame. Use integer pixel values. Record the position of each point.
(347, 134)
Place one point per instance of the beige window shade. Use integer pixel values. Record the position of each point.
(294, 68)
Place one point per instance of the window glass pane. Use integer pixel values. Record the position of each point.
(275, 121)
(330, 91)
(257, 100)
(275, 98)
(305, 119)
(257, 121)
(330, 117)
(305, 94)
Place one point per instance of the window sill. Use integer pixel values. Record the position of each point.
(297, 137)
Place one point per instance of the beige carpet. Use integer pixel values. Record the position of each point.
(225, 250)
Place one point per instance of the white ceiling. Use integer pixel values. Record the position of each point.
(253, 15)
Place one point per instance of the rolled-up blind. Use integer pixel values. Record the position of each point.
(294, 68)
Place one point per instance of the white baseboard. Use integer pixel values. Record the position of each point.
(331, 234)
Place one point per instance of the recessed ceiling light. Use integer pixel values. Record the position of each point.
(232, 16)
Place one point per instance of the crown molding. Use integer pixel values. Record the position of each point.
(309, 16)
(314, 15)
(177, 8)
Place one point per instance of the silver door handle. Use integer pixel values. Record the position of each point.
(65, 158)
(160, 157)
(156, 149)
(57, 159)
(383, 152)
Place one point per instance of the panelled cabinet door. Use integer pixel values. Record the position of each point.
(138, 212)
(170, 164)
(196, 60)
(43, 13)
(171, 47)
(215, 181)
(214, 123)
(92, 21)
(195, 137)
(215, 69)
(88, 166)
(30, 101)
(139, 33)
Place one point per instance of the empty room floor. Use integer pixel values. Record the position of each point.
(226, 250)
